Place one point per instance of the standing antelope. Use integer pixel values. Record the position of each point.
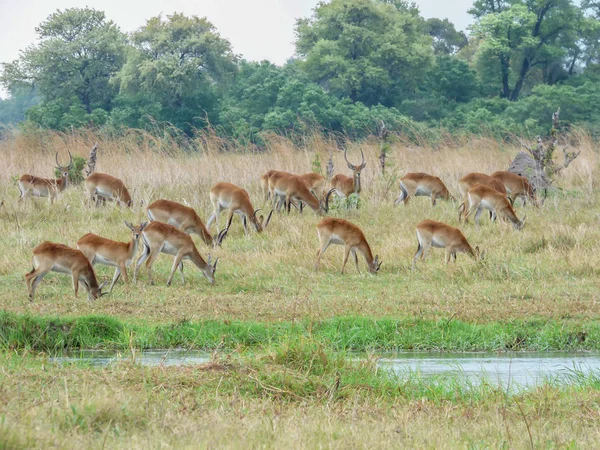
(421, 184)
(287, 188)
(101, 187)
(51, 257)
(482, 197)
(344, 185)
(184, 218)
(161, 237)
(437, 234)
(264, 183)
(342, 232)
(237, 201)
(516, 186)
(99, 250)
(473, 179)
(45, 187)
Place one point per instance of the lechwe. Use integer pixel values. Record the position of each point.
(184, 218)
(437, 234)
(101, 187)
(161, 237)
(345, 186)
(482, 197)
(51, 257)
(342, 232)
(99, 250)
(516, 186)
(287, 188)
(422, 184)
(264, 182)
(45, 187)
(473, 179)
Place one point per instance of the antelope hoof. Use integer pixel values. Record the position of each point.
(168, 283)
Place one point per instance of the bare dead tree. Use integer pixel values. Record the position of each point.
(92, 160)
(384, 145)
(329, 168)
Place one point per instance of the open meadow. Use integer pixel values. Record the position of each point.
(280, 329)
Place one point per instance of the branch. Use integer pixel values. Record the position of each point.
(92, 160)
(569, 158)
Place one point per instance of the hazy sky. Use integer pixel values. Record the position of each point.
(259, 29)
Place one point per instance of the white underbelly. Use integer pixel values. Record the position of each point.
(99, 259)
(104, 193)
(169, 249)
(60, 269)
(421, 191)
(438, 243)
(335, 239)
(487, 205)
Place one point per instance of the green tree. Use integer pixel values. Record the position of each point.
(446, 39)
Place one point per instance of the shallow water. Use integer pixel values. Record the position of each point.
(166, 357)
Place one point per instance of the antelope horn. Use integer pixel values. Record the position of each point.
(346, 157)
(362, 155)
(70, 160)
(254, 215)
(57, 163)
(327, 199)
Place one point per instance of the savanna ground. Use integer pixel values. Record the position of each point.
(275, 394)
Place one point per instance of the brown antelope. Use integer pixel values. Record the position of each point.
(316, 183)
(184, 218)
(99, 250)
(342, 232)
(161, 237)
(51, 257)
(101, 187)
(287, 188)
(472, 179)
(264, 183)
(437, 234)
(45, 187)
(516, 186)
(421, 184)
(482, 197)
(237, 201)
(344, 185)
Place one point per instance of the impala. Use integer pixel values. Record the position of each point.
(51, 257)
(184, 218)
(516, 186)
(482, 197)
(45, 187)
(99, 250)
(101, 187)
(343, 185)
(472, 179)
(287, 188)
(422, 184)
(437, 234)
(342, 232)
(161, 237)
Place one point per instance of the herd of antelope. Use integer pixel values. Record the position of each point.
(171, 224)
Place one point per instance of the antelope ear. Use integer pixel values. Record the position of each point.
(209, 260)
(363, 165)
(104, 283)
(215, 265)
(128, 225)
(482, 255)
(477, 249)
(350, 166)
(143, 225)
(523, 219)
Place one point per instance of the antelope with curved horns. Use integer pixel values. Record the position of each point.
(51, 257)
(45, 187)
(99, 250)
(287, 188)
(237, 201)
(161, 237)
(437, 234)
(184, 218)
(101, 187)
(315, 183)
(344, 185)
(421, 184)
(516, 186)
(473, 179)
(343, 232)
(482, 197)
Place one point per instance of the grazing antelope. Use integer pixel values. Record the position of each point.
(287, 188)
(340, 231)
(101, 187)
(264, 183)
(437, 234)
(184, 218)
(343, 185)
(482, 197)
(516, 186)
(161, 237)
(472, 179)
(51, 257)
(45, 187)
(421, 184)
(237, 201)
(99, 250)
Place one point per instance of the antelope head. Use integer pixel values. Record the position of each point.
(95, 294)
(211, 267)
(259, 222)
(520, 224)
(137, 231)
(64, 170)
(375, 265)
(356, 169)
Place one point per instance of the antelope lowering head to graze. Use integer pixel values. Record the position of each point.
(237, 201)
(437, 234)
(160, 237)
(184, 218)
(287, 188)
(51, 257)
(101, 187)
(421, 184)
(482, 197)
(342, 232)
(516, 186)
(316, 183)
(472, 179)
(99, 250)
(45, 187)
(344, 185)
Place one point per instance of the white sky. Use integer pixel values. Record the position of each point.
(259, 29)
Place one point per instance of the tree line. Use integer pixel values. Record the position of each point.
(357, 63)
